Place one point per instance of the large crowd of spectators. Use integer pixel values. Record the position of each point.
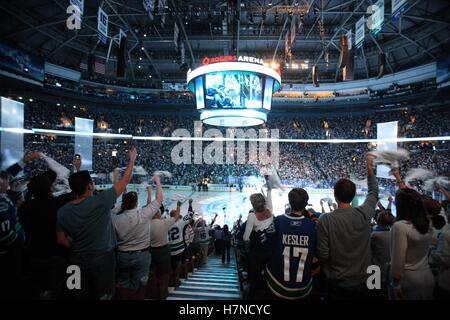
(50, 220)
(301, 164)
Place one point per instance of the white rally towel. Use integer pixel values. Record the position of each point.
(162, 173)
(430, 184)
(137, 170)
(419, 174)
(429, 178)
(273, 179)
(390, 157)
(61, 184)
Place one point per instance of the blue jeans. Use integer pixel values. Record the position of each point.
(133, 268)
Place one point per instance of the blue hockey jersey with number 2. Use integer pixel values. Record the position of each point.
(293, 248)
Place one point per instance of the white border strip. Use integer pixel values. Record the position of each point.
(73, 133)
(16, 130)
(159, 138)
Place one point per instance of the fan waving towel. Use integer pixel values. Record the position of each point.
(390, 157)
(419, 174)
(429, 178)
(163, 173)
(430, 184)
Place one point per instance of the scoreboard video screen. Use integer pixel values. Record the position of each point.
(233, 90)
(233, 94)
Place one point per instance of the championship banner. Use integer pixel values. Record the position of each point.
(378, 17)
(349, 39)
(149, 7)
(359, 32)
(176, 33)
(80, 5)
(102, 26)
(398, 7)
(122, 35)
(293, 30)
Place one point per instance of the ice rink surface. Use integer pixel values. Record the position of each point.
(229, 205)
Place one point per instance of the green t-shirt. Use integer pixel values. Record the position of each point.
(88, 223)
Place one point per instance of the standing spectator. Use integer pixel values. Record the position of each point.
(379, 244)
(159, 248)
(12, 239)
(343, 239)
(188, 235)
(38, 218)
(12, 236)
(226, 243)
(218, 243)
(289, 269)
(133, 240)
(202, 237)
(258, 222)
(87, 222)
(411, 237)
(177, 245)
(441, 256)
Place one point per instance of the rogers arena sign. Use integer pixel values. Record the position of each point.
(208, 60)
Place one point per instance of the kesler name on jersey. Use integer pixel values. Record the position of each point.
(295, 240)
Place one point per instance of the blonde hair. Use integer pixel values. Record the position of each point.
(258, 202)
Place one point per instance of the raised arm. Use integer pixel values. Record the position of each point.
(444, 192)
(159, 192)
(389, 206)
(396, 173)
(190, 205)
(213, 220)
(149, 194)
(368, 207)
(120, 186)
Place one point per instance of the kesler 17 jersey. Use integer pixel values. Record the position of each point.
(293, 248)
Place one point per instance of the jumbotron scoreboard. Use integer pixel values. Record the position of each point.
(234, 91)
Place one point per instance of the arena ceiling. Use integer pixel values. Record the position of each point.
(211, 28)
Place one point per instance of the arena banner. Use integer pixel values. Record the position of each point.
(359, 32)
(11, 134)
(387, 130)
(349, 39)
(149, 7)
(378, 17)
(398, 7)
(102, 26)
(83, 141)
(80, 5)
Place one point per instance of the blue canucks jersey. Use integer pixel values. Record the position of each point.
(11, 231)
(293, 248)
